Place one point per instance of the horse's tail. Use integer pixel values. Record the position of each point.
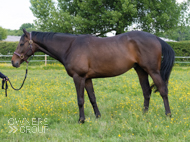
(168, 57)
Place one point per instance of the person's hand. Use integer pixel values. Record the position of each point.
(6, 78)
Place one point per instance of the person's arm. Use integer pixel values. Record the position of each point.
(2, 75)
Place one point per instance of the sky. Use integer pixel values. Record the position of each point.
(14, 13)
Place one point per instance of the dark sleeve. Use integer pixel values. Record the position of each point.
(2, 75)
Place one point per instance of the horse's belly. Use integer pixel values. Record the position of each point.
(110, 69)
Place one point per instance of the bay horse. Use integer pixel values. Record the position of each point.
(86, 57)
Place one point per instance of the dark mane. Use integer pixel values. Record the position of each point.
(48, 35)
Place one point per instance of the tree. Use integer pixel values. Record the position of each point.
(102, 16)
(182, 31)
(28, 26)
(3, 33)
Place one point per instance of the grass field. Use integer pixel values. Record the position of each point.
(46, 108)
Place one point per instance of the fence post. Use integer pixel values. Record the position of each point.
(45, 59)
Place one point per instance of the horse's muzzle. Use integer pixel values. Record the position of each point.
(15, 64)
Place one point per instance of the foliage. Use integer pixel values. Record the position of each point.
(181, 48)
(7, 47)
(102, 16)
(181, 33)
(49, 96)
(28, 26)
(3, 33)
(185, 13)
(14, 32)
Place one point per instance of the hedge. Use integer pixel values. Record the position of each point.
(7, 47)
(180, 48)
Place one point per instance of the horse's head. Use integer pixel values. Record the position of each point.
(24, 50)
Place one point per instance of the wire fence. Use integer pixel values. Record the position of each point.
(183, 59)
(47, 58)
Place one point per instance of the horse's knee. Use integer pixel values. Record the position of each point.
(80, 102)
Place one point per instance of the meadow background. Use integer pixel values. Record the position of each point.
(46, 108)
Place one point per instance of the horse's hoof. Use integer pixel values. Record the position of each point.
(81, 121)
(168, 114)
(145, 111)
(98, 116)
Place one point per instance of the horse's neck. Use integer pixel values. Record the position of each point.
(47, 52)
(42, 47)
(56, 47)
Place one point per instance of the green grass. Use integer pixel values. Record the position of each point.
(48, 102)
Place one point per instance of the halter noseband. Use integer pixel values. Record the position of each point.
(30, 48)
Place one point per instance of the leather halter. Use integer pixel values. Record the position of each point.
(22, 56)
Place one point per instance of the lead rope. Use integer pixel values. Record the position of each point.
(5, 85)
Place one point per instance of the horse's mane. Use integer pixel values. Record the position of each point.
(48, 35)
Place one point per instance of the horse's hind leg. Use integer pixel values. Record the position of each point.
(90, 90)
(162, 88)
(143, 78)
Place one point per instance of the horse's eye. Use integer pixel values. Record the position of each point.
(21, 44)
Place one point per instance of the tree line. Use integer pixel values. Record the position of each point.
(4, 32)
(28, 26)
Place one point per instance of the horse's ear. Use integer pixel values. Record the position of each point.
(26, 33)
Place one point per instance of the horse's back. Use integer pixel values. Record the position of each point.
(130, 48)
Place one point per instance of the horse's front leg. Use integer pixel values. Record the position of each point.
(80, 84)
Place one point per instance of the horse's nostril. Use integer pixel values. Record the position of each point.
(14, 64)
